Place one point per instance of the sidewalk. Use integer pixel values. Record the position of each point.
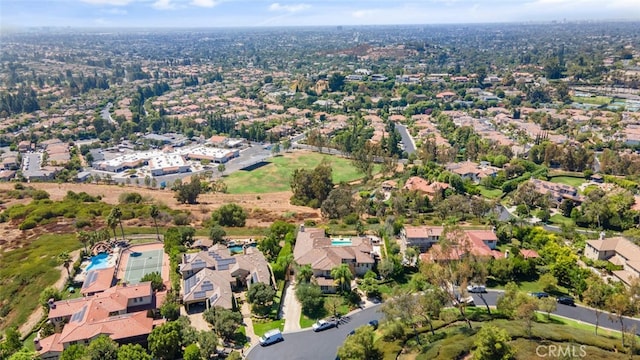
(291, 309)
(245, 310)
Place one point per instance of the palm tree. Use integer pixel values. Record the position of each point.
(84, 237)
(342, 275)
(112, 223)
(154, 212)
(66, 260)
(304, 273)
(117, 213)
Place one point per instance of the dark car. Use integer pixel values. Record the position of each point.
(540, 294)
(374, 323)
(566, 300)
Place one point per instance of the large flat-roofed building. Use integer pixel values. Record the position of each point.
(124, 162)
(212, 154)
(168, 164)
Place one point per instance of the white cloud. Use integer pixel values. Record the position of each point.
(163, 5)
(288, 8)
(115, 11)
(205, 3)
(108, 2)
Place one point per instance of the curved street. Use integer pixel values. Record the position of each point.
(308, 345)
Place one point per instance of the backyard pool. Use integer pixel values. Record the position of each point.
(237, 249)
(341, 242)
(98, 262)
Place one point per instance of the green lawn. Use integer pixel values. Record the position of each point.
(276, 175)
(305, 322)
(596, 100)
(26, 271)
(568, 180)
(530, 286)
(489, 193)
(559, 219)
(259, 327)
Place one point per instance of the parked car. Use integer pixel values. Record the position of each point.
(321, 325)
(566, 300)
(540, 294)
(476, 289)
(374, 323)
(271, 337)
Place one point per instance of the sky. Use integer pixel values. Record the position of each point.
(251, 13)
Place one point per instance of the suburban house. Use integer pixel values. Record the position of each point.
(209, 277)
(120, 312)
(618, 251)
(425, 238)
(472, 171)
(557, 192)
(416, 183)
(97, 281)
(322, 253)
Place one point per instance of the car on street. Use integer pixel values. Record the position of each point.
(374, 324)
(321, 325)
(271, 337)
(566, 300)
(476, 289)
(540, 294)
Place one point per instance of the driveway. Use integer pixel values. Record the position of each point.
(291, 309)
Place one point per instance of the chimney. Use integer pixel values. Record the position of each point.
(244, 249)
(36, 343)
(602, 235)
(301, 227)
(506, 254)
(52, 303)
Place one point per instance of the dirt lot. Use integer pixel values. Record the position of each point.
(262, 209)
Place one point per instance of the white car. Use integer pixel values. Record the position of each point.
(323, 325)
(476, 289)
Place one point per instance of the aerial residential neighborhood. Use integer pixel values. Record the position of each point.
(248, 180)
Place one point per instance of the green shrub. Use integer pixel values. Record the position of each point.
(373, 220)
(82, 223)
(181, 219)
(351, 219)
(28, 224)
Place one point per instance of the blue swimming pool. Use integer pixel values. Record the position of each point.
(237, 249)
(98, 262)
(341, 242)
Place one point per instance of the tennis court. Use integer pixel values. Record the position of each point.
(141, 263)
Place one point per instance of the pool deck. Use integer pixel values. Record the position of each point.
(112, 261)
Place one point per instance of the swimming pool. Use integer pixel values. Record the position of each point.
(341, 242)
(237, 249)
(98, 262)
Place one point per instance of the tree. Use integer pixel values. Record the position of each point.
(112, 223)
(360, 346)
(338, 204)
(208, 342)
(74, 352)
(103, 348)
(192, 352)
(221, 169)
(47, 294)
(311, 188)
(492, 343)
(170, 310)
(116, 213)
(286, 145)
(336, 81)
(188, 193)
(133, 352)
(165, 341)
(275, 149)
(332, 303)
(261, 294)
(229, 215)
(526, 310)
(549, 282)
(225, 322)
(11, 343)
(620, 306)
(157, 283)
(270, 247)
(596, 296)
(217, 234)
(154, 212)
(66, 261)
(310, 297)
(23, 354)
(549, 305)
(304, 273)
(343, 276)
(84, 238)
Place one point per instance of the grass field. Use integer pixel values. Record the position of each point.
(259, 328)
(26, 271)
(568, 180)
(560, 219)
(489, 193)
(276, 175)
(596, 100)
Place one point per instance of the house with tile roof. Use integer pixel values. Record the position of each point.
(416, 183)
(471, 170)
(426, 238)
(120, 312)
(211, 276)
(322, 253)
(618, 251)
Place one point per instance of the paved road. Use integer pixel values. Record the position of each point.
(106, 115)
(308, 345)
(407, 140)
